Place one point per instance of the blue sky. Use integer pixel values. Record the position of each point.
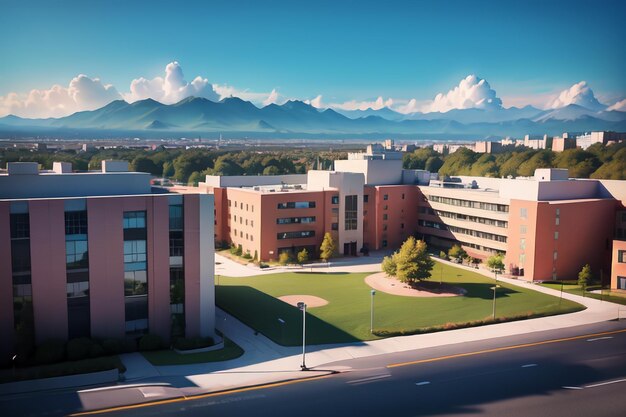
(342, 50)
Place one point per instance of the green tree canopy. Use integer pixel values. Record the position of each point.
(496, 262)
(303, 256)
(412, 261)
(456, 251)
(327, 249)
(584, 276)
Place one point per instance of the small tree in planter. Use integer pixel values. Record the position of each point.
(327, 249)
(284, 258)
(303, 256)
(584, 277)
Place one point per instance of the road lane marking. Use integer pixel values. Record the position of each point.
(599, 338)
(197, 397)
(529, 365)
(369, 379)
(605, 383)
(422, 383)
(568, 387)
(500, 349)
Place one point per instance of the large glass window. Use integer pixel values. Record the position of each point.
(134, 220)
(351, 212)
(135, 272)
(296, 204)
(23, 318)
(295, 235)
(77, 266)
(295, 220)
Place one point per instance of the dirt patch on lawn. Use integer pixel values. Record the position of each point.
(310, 300)
(390, 285)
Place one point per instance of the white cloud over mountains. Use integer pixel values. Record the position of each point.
(82, 93)
(471, 93)
(85, 93)
(580, 94)
(172, 88)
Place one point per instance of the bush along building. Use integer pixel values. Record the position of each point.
(101, 255)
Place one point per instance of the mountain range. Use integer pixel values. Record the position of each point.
(234, 116)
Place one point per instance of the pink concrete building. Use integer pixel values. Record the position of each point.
(98, 254)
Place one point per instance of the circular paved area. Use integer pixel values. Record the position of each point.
(390, 285)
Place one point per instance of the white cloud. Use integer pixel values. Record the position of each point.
(272, 98)
(472, 92)
(82, 93)
(619, 106)
(377, 104)
(580, 94)
(172, 88)
(316, 102)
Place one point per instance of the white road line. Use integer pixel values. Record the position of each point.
(605, 383)
(529, 365)
(599, 338)
(370, 379)
(567, 387)
(114, 387)
(422, 383)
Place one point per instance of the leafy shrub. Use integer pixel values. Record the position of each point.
(50, 351)
(113, 346)
(443, 255)
(284, 258)
(150, 342)
(184, 343)
(78, 349)
(129, 345)
(247, 255)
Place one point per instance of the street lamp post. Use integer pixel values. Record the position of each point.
(373, 293)
(302, 306)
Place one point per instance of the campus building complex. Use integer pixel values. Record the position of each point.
(548, 226)
(100, 254)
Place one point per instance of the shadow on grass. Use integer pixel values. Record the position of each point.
(483, 291)
(320, 273)
(275, 319)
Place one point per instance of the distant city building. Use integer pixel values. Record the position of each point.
(588, 139)
(99, 254)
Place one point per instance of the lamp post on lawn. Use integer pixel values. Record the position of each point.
(373, 293)
(494, 288)
(302, 306)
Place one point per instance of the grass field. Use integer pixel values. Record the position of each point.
(347, 316)
(170, 357)
(576, 289)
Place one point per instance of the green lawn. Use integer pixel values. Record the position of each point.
(84, 366)
(578, 290)
(169, 357)
(347, 316)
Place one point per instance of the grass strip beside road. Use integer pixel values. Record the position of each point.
(346, 318)
(576, 289)
(170, 357)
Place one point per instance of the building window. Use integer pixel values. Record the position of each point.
(77, 274)
(295, 235)
(366, 198)
(401, 225)
(295, 220)
(135, 273)
(134, 220)
(556, 235)
(385, 207)
(557, 221)
(522, 244)
(384, 243)
(177, 243)
(252, 223)
(176, 217)
(296, 204)
(351, 212)
(555, 255)
(522, 229)
(523, 213)
(403, 196)
(76, 253)
(229, 202)
(334, 199)
(334, 226)
(522, 259)
(386, 197)
(177, 301)
(384, 226)
(385, 217)
(621, 256)
(246, 206)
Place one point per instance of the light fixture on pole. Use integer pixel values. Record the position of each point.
(302, 307)
(494, 288)
(373, 293)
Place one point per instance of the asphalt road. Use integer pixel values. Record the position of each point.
(557, 373)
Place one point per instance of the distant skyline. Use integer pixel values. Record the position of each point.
(65, 56)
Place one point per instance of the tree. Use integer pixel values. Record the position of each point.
(271, 170)
(443, 255)
(284, 258)
(412, 261)
(389, 266)
(303, 256)
(195, 178)
(327, 249)
(144, 164)
(457, 251)
(584, 277)
(168, 169)
(496, 263)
